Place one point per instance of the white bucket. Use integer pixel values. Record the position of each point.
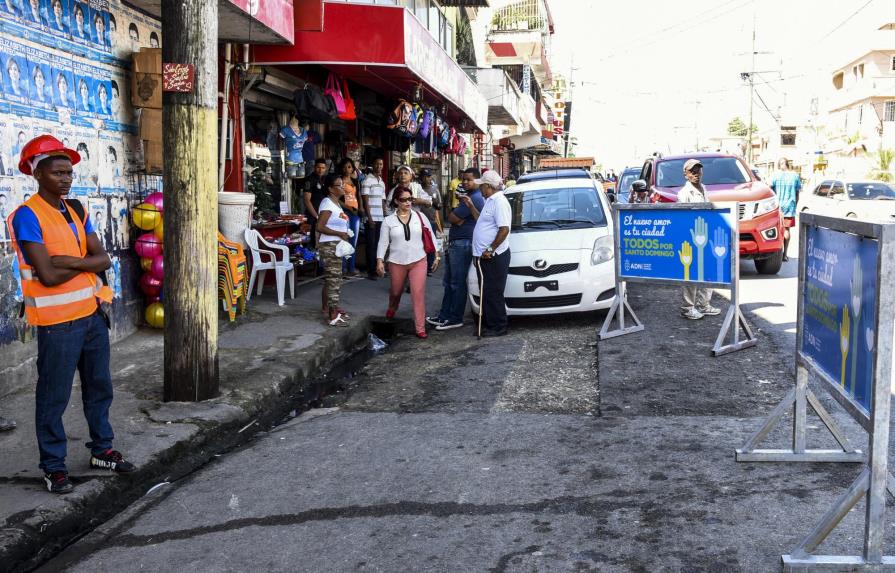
(235, 214)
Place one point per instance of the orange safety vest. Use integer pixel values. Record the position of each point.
(73, 299)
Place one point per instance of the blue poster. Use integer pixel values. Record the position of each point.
(15, 78)
(63, 88)
(57, 12)
(839, 303)
(687, 245)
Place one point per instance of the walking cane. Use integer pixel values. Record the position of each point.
(478, 264)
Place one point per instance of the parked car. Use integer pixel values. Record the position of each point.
(867, 200)
(574, 173)
(727, 178)
(623, 190)
(561, 249)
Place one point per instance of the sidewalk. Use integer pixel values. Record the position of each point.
(266, 357)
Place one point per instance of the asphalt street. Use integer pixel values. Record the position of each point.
(538, 451)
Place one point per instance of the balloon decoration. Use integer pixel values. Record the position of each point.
(147, 216)
(155, 315)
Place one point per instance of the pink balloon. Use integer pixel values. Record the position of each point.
(156, 199)
(148, 245)
(157, 269)
(150, 285)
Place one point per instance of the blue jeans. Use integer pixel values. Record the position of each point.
(458, 257)
(350, 264)
(81, 344)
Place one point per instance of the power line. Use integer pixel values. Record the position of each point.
(842, 23)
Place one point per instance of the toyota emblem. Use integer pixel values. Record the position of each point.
(540, 264)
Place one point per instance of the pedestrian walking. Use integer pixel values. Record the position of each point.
(431, 211)
(59, 255)
(352, 207)
(405, 178)
(786, 184)
(333, 227)
(314, 193)
(697, 300)
(403, 237)
(373, 193)
(491, 252)
(458, 255)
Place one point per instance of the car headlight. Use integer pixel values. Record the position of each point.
(603, 250)
(766, 205)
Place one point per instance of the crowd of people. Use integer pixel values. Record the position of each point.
(405, 237)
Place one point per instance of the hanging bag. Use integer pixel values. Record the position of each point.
(334, 91)
(350, 113)
(312, 104)
(426, 123)
(428, 244)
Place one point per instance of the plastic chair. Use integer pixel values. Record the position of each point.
(283, 268)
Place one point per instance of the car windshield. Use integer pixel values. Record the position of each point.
(715, 171)
(545, 209)
(624, 183)
(874, 190)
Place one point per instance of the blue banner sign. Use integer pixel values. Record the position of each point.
(686, 245)
(839, 301)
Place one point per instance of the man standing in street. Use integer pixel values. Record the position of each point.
(491, 251)
(458, 254)
(314, 193)
(697, 301)
(373, 193)
(786, 184)
(59, 255)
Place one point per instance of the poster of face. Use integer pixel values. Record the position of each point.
(11, 7)
(34, 13)
(63, 88)
(15, 78)
(102, 104)
(58, 16)
(82, 94)
(18, 135)
(86, 180)
(79, 22)
(41, 89)
(100, 31)
(97, 207)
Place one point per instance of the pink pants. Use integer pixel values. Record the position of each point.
(417, 273)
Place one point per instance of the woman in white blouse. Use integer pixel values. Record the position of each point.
(402, 238)
(333, 227)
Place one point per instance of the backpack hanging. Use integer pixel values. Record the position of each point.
(403, 119)
(312, 104)
(350, 113)
(444, 138)
(426, 123)
(334, 91)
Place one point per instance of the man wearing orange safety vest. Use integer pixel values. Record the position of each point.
(59, 255)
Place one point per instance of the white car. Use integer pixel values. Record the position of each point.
(865, 200)
(562, 257)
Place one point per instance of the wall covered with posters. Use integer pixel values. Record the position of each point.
(64, 68)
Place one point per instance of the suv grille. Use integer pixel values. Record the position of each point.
(544, 301)
(541, 273)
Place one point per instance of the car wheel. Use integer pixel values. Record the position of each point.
(770, 265)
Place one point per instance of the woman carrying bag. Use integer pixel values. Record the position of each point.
(333, 227)
(352, 208)
(408, 238)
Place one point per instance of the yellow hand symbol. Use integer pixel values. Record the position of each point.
(844, 330)
(686, 256)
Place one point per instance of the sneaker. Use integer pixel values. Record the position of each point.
(448, 325)
(435, 321)
(691, 314)
(710, 310)
(111, 460)
(58, 482)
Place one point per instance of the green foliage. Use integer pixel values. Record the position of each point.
(737, 127)
(882, 170)
(258, 184)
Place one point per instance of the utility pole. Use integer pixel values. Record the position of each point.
(189, 126)
(751, 77)
(567, 122)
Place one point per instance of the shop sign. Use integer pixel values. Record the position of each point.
(178, 77)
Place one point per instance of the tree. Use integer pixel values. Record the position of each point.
(881, 171)
(738, 127)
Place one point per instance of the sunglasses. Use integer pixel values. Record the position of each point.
(404, 200)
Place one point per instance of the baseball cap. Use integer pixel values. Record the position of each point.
(406, 168)
(490, 178)
(425, 173)
(691, 163)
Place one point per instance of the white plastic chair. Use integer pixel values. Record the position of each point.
(283, 268)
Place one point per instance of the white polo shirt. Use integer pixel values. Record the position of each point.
(495, 214)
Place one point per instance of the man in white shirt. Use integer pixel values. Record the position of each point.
(405, 176)
(491, 251)
(697, 301)
(372, 190)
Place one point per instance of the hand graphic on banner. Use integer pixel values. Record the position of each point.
(843, 341)
(719, 249)
(700, 235)
(857, 285)
(686, 256)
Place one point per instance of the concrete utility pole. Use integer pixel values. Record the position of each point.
(189, 122)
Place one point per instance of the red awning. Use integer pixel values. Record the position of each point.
(395, 54)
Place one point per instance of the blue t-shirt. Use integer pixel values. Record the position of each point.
(27, 228)
(465, 230)
(295, 142)
(786, 185)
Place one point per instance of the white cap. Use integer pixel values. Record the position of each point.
(490, 178)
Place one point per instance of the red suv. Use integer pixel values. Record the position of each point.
(726, 178)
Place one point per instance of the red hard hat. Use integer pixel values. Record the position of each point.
(44, 145)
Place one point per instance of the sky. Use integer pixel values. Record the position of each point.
(653, 75)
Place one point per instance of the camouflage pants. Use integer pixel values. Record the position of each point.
(332, 273)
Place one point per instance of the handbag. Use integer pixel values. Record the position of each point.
(334, 91)
(350, 113)
(428, 243)
(313, 104)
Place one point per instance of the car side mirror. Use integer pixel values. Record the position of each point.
(639, 186)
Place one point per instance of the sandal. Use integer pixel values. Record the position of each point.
(339, 321)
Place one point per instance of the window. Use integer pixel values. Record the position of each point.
(889, 111)
(871, 191)
(422, 11)
(787, 139)
(715, 171)
(893, 63)
(837, 189)
(823, 189)
(551, 209)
